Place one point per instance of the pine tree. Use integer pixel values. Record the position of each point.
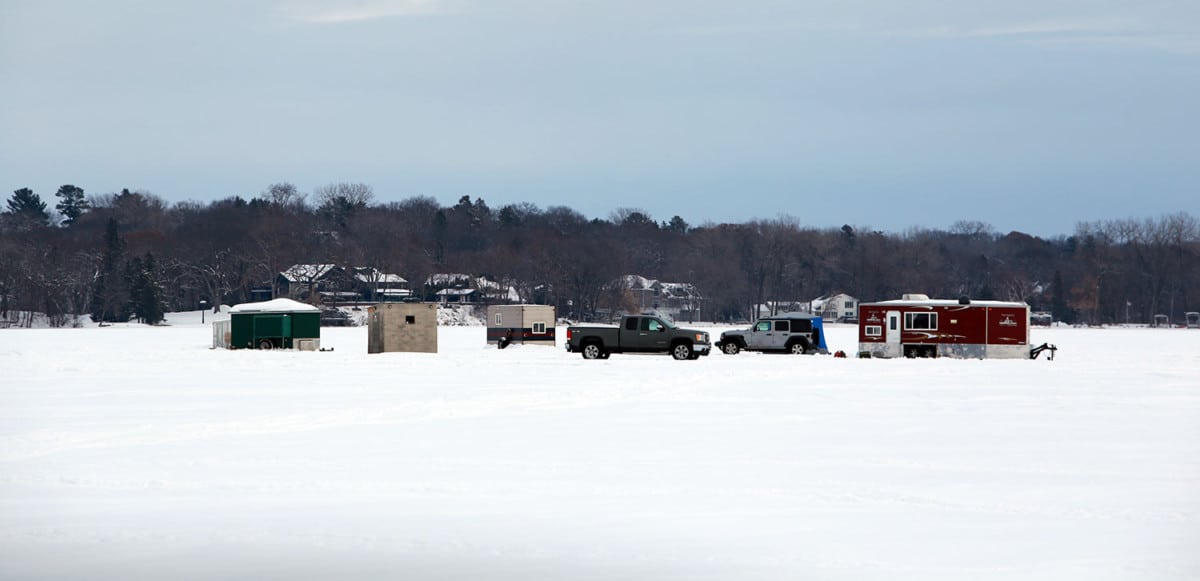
(145, 293)
(109, 292)
(27, 208)
(73, 204)
(1058, 304)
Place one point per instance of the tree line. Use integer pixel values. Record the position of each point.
(132, 256)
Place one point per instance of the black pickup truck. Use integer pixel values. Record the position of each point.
(637, 334)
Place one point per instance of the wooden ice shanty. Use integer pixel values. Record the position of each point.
(403, 328)
(274, 324)
(527, 324)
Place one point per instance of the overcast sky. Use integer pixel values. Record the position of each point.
(1028, 114)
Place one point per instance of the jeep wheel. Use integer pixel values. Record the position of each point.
(731, 348)
(592, 351)
(681, 351)
(798, 348)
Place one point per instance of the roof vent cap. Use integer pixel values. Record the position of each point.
(914, 297)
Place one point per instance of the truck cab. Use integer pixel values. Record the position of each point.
(637, 334)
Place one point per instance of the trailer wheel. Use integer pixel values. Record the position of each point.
(266, 344)
(681, 351)
(593, 351)
(731, 348)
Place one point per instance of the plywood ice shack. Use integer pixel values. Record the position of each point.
(402, 328)
(531, 324)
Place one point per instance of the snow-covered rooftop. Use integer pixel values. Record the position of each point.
(306, 272)
(946, 303)
(374, 276)
(274, 306)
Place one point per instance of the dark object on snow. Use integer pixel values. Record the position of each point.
(1033, 353)
(840, 354)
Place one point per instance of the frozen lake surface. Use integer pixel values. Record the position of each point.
(139, 453)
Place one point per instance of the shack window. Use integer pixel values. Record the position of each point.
(920, 321)
(499, 319)
(410, 320)
(781, 326)
(539, 328)
(873, 331)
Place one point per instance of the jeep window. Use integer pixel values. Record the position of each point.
(920, 321)
(763, 326)
(631, 324)
(781, 326)
(801, 325)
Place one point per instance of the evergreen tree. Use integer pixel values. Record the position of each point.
(28, 208)
(109, 292)
(73, 204)
(145, 293)
(1058, 304)
(678, 225)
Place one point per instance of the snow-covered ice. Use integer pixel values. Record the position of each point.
(133, 452)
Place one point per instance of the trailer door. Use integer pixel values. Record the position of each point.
(893, 334)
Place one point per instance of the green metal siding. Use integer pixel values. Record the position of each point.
(306, 325)
(248, 329)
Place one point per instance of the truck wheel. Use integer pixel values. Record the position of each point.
(731, 348)
(592, 351)
(265, 344)
(682, 351)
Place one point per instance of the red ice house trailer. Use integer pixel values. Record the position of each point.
(917, 326)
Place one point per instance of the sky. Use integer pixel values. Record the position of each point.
(1029, 115)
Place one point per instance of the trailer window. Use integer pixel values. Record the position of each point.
(920, 321)
(539, 328)
(499, 319)
(873, 331)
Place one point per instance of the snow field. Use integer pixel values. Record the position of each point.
(135, 452)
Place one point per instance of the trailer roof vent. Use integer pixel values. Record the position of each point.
(964, 300)
(915, 297)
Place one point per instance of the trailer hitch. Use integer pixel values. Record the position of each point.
(1033, 353)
